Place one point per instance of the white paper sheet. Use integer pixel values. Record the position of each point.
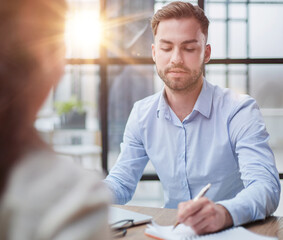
(182, 232)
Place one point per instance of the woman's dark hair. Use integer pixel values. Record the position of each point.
(25, 26)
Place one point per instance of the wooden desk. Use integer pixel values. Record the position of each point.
(272, 226)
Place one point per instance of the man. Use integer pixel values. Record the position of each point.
(196, 133)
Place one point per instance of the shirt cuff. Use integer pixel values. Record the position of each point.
(230, 206)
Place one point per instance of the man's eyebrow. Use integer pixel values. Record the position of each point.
(165, 41)
(189, 41)
(183, 43)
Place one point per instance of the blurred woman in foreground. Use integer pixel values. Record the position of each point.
(42, 197)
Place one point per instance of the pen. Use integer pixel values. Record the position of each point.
(201, 194)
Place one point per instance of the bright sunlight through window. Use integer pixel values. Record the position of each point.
(83, 34)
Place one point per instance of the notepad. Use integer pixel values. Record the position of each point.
(167, 232)
(182, 232)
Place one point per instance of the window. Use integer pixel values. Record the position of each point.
(110, 66)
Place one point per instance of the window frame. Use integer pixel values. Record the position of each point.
(104, 61)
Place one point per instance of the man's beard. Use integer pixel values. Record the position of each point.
(187, 83)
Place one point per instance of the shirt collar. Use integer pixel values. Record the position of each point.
(202, 105)
(163, 107)
(204, 101)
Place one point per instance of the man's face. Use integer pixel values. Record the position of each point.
(180, 52)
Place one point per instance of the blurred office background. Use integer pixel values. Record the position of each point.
(109, 67)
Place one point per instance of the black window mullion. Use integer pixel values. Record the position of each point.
(103, 104)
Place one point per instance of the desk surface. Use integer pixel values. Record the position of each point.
(272, 226)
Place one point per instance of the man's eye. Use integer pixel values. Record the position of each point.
(166, 49)
(189, 49)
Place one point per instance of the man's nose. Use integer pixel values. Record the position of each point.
(176, 57)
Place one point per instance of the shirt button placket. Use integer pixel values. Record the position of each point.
(187, 191)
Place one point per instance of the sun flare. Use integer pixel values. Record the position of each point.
(83, 32)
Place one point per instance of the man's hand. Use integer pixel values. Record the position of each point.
(204, 216)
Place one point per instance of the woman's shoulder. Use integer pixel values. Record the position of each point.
(42, 170)
(50, 192)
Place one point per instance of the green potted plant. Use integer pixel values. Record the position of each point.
(72, 113)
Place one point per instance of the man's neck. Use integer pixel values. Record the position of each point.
(182, 102)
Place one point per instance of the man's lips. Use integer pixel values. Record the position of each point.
(176, 70)
(176, 73)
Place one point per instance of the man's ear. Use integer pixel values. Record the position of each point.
(207, 53)
(153, 51)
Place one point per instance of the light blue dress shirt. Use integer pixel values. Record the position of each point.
(223, 141)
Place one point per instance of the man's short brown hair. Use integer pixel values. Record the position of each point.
(180, 10)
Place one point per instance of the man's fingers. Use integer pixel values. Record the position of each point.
(187, 209)
(194, 220)
(191, 209)
(204, 216)
(204, 226)
(199, 217)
